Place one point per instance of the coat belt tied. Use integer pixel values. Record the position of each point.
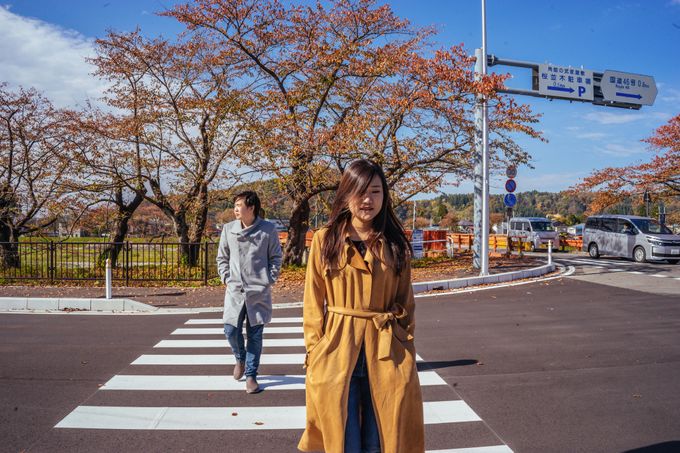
(384, 321)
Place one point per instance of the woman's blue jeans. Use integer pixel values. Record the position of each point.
(250, 354)
(361, 430)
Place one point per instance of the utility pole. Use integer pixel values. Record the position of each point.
(480, 252)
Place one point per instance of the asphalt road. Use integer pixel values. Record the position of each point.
(560, 366)
(657, 277)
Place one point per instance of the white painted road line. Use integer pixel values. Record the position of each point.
(219, 321)
(220, 330)
(267, 343)
(223, 418)
(215, 359)
(636, 272)
(659, 275)
(224, 383)
(489, 449)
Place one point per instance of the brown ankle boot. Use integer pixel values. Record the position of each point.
(239, 369)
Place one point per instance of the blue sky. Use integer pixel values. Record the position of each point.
(43, 42)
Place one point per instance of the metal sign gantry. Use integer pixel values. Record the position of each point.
(608, 88)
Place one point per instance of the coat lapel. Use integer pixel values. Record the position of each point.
(354, 258)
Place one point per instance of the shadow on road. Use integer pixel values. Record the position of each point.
(665, 447)
(423, 366)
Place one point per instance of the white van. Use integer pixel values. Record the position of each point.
(628, 236)
(535, 230)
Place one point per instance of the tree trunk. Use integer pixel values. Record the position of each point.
(297, 232)
(9, 248)
(9, 237)
(125, 213)
(188, 251)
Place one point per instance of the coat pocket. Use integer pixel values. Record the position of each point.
(311, 355)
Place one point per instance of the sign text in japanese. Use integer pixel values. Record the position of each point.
(565, 82)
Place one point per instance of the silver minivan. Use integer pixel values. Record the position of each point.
(628, 236)
(535, 230)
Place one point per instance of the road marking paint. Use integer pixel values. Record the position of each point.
(636, 272)
(220, 330)
(267, 343)
(598, 262)
(489, 449)
(659, 275)
(219, 321)
(221, 418)
(215, 359)
(220, 359)
(220, 383)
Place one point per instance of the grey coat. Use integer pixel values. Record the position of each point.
(249, 262)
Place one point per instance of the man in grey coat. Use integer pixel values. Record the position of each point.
(249, 262)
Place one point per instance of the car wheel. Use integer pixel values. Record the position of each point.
(673, 261)
(593, 251)
(639, 255)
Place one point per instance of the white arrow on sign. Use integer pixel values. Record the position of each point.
(627, 87)
(565, 82)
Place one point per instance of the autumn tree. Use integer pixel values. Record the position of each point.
(660, 175)
(343, 81)
(176, 129)
(34, 167)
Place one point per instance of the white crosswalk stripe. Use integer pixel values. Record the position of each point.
(161, 374)
(220, 331)
(598, 262)
(183, 383)
(219, 321)
(192, 418)
(267, 343)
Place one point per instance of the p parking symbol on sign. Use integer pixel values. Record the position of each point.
(581, 90)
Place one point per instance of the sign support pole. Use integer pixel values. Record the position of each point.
(480, 253)
(485, 158)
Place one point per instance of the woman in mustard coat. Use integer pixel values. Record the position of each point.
(362, 389)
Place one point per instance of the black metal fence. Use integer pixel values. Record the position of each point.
(135, 261)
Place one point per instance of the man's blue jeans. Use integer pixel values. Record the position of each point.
(249, 354)
(361, 429)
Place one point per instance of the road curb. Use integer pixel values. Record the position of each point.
(457, 283)
(43, 304)
(129, 306)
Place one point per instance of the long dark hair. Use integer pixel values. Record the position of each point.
(354, 182)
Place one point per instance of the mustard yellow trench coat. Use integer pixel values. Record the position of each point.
(362, 301)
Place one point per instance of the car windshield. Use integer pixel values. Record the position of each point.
(542, 226)
(650, 226)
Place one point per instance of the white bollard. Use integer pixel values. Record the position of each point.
(549, 252)
(108, 278)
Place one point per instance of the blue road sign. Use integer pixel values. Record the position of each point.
(510, 200)
(510, 185)
(628, 87)
(565, 82)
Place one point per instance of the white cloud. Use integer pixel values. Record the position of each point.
(592, 135)
(624, 118)
(670, 94)
(618, 150)
(51, 59)
(547, 182)
(612, 118)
